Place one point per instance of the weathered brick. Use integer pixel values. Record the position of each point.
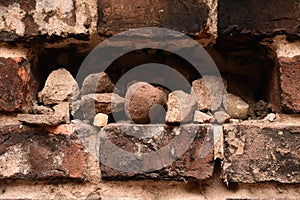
(257, 152)
(289, 69)
(31, 154)
(116, 16)
(24, 19)
(254, 17)
(17, 86)
(159, 144)
(284, 85)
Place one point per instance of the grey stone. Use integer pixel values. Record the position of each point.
(60, 87)
(221, 117)
(97, 83)
(236, 107)
(181, 107)
(105, 103)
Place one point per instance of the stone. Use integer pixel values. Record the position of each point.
(201, 117)
(156, 151)
(221, 117)
(270, 117)
(261, 152)
(42, 110)
(100, 120)
(64, 129)
(236, 18)
(105, 103)
(31, 154)
(139, 100)
(60, 87)
(41, 120)
(75, 108)
(18, 87)
(63, 110)
(261, 109)
(181, 107)
(236, 107)
(209, 100)
(118, 16)
(97, 83)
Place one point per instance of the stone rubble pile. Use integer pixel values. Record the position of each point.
(61, 100)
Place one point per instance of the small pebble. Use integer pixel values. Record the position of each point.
(100, 120)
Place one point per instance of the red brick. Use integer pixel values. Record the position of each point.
(32, 154)
(289, 69)
(17, 86)
(196, 162)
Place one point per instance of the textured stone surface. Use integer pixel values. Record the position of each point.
(257, 152)
(30, 153)
(190, 147)
(290, 83)
(181, 107)
(221, 117)
(97, 83)
(17, 86)
(41, 119)
(236, 107)
(24, 19)
(201, 117)
(63, 110)
(258, 17)
(60, 86)
(139, 100)
(209, 91)
(105, 103)
(117, 16)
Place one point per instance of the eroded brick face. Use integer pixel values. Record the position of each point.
(257, 153)
(258, 17)
(195, 161)
(116, 16)
(17, 87)
(289, 69)
(30, 153)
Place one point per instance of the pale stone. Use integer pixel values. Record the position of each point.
(60, 87)
(270, 117)
(236, 107)
(100, 120)
(181, 107)
(209, 99)
(201, 117)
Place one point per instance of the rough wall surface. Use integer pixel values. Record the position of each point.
(256, 45)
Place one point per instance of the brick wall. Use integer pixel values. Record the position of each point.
(51, 147)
